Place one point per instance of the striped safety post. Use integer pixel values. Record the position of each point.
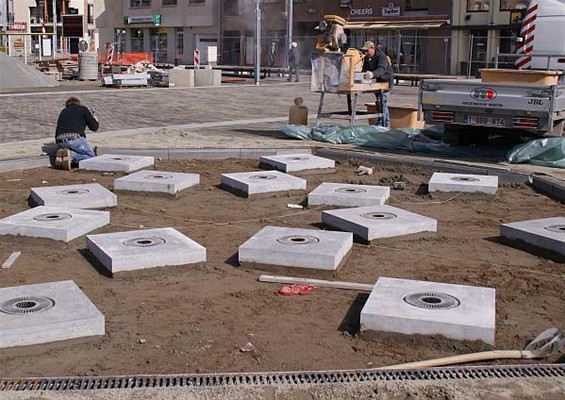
(196, 58)
(527, 33)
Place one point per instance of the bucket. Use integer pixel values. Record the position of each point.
(88, 66)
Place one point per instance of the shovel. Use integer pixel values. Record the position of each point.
(545, 344)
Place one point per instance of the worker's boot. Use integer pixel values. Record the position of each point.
(67, 159)
(59, 159)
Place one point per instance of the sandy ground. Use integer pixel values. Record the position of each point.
(185, 319)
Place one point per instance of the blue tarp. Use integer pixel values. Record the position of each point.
(548, 152)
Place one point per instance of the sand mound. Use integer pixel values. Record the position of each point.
(16, 74)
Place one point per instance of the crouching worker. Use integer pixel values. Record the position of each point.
(70, 135)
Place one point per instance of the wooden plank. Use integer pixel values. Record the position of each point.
(11, 260)
(360, 287)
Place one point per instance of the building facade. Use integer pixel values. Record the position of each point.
(480, 29)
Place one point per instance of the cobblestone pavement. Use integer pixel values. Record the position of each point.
(25, 116)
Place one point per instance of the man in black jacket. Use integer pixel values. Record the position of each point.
(377, 65)
(70, 135)
(293, 61)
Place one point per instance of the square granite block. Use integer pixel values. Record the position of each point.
(348, 195)
(429, 308)
(295, 247)
(55, 223)
(133, 250)
(157, 181)
(88, 196)
(46, 312)
(375, 222)
(546, 233)
(250, 183)
(116, 163)
(441, 182)
(297, 162)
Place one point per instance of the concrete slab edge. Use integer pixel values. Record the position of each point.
(549, 186)
(17, 164)
(205, 152)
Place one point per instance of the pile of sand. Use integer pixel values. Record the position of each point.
(15, 75)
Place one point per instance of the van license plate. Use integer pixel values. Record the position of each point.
(482, 120)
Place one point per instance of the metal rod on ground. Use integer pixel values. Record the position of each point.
(361, 287)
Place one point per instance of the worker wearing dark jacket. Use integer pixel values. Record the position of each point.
(70, 135)
(377, 65)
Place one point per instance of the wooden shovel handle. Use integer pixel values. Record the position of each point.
(464, 358)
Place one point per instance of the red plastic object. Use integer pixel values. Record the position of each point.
(291, 290)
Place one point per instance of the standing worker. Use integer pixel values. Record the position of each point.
(293, 61)
(70, 135)
(377, 65)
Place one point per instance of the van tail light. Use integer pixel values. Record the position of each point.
(442, 116)
(525, 122)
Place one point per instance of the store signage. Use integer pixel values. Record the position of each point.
(148, 19)
(154, 19)
(362, 11)
(73, 26)
(391, 10)
(18, 26)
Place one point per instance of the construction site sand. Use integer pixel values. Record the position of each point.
(187, 320)
(17, 75)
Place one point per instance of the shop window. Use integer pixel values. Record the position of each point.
(506, 5)
(136, 40)
(169, 2)
(179, 33)
(477, 5)
(192, 2)
(417, 5)
(139, 3)
(231, 8)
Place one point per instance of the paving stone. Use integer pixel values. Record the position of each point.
(88, 196)
(250, 183)
(442, 182)
(545, 233)
(297, 162)
(429, 308)
(46, 312)
(348, 195)
(116, 163)
(157, 181)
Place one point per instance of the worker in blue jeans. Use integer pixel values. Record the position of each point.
(376, 64)
(70, 135)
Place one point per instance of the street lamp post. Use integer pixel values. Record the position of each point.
(289, 20)
(257, 42)
(54, 28)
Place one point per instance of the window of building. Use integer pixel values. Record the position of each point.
(416, 5)
(477, 5)
(169, 2)
(344, 3)
(158, 44)
(137, 40)
(231, 8)
(179, 33)
(506, 5)
(139, 3)
(191, 2)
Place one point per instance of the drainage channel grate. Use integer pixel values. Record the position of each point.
(280, 378)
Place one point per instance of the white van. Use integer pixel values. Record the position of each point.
(543, 32)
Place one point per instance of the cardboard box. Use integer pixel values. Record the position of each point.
(543, 78)
(400, 116)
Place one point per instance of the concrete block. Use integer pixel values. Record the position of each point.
(57, 223)
(46, 312)
(429, 308)
(181, 78)
(295, 247)
(117, 163)
(133, 250)
(348, 195)
(250, 183)
(442, 182)
(157, 181)
(207, 77)
(375, 222)
(88, 196)
(545, 233)
(297, 162)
